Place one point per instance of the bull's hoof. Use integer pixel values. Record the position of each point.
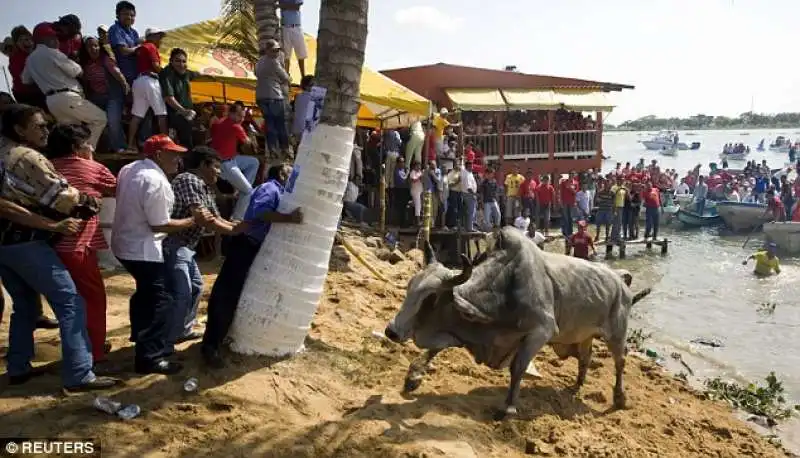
(574, 389)
(619, 401)
(411, 384)
(505, 414)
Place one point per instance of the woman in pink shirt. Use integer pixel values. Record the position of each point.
(415, 178)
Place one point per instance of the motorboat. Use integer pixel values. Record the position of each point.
(668, 151)
(710, 217)
(734, 156)
(743, 216)
(694, 146)
(785, 235)
(665, 138)
(781, 145)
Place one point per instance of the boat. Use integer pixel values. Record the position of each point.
(760, 146)
(694, 146)
(683, 200)
(668, 151)
(785, 235)
(710, 217)
(735, 156)
(781, 145)
(662, 139)
(743, 216)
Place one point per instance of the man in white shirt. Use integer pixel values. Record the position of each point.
(353, 208)
(469, 193)
(141, 222)
(57, 77)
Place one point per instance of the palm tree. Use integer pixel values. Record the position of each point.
(247, 24)
(286, 279)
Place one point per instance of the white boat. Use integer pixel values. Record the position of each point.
(665, 138)
(742, 216)
(781, 145)
(668, 151)
(735, 156)
(683, 200)
(785, 235)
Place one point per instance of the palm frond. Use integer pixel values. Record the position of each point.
(237, 29)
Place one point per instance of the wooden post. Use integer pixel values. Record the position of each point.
(609, 249)
(649, 244)
(599, 139)
(622, 250)
(382, 198)
(427, 217)
(664, 245)
(551, 135)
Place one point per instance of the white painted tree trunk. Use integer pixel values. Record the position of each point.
(286, 280)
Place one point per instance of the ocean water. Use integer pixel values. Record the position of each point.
(702, 290)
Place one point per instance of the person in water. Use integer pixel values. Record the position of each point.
(766, 261)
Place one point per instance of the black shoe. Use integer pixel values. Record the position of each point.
(159, 367)
(107, 347)
(102, 368)
(213, 359)
(99, 383)
(44, 322)
(23, 378)
(194, 335)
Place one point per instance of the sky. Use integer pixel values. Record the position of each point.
(685, 57)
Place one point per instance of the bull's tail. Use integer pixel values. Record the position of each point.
(641, 295)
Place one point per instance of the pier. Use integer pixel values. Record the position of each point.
(623, 244)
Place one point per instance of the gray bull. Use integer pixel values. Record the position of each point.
(511, 302)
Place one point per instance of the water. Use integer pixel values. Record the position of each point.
(701, 289)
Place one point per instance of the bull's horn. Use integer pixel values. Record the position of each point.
(480, 258)
(626, 276)
(466, 271)
(430, 255)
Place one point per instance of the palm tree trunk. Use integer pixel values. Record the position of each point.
(287, 278)
(267, 23)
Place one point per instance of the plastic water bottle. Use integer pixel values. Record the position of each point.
(651, 353)
(129, 412)
(106, 405)
(190, 385)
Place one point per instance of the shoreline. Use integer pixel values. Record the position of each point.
(341, 397)
(701, 129)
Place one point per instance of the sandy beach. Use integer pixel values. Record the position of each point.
(341, 397)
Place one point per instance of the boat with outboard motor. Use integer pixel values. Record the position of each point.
(743, 216)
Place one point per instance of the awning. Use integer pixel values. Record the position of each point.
(477, 99)
(530, 99)
(383, 100)
(583, 100)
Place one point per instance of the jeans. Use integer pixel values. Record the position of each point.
(355, 210)
(652, 216)
(630, 220)
(149, 310)
(227, 289)
(616, 225)
(603, 218)
(453, 209)
(788, 203)
(469, 204)
(183, 129)
(700, 206)
(240, 172)
(543, 215)
(566, 220)
(28, 270)
(275, 118)
(185, 284)
(491, 215)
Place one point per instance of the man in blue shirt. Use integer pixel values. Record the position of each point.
(293, 38)
(124, 40)
(260, 215)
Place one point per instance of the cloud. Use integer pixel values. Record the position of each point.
(428, 17)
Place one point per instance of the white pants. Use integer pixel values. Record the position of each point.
(72, 108)
(416, 197)
(294, 40)
(414, 149)
(147, 95)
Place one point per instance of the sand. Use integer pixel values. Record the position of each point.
(341, 398)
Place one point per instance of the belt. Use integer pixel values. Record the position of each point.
(59, 91)
(292, 26)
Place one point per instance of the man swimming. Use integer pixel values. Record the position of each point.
(766, 261)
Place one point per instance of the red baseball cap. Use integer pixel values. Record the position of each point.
(161, 142)
(43, 31)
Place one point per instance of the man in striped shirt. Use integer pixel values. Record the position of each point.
(604, 200)
(71, 154)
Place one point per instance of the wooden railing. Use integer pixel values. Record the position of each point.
(576, 144)
(573, 144)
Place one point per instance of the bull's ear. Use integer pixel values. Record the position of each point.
(626, 276)
(430, 255)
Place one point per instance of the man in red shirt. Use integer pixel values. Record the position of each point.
(545, 195)
(28, 94)
(567, 189)
(147, 88)
(238, 170)
(581, 242)
(651, 197)
(527, 191)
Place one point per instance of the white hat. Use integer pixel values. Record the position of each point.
(443, 111)
(522, 223)
(538, 238)
(154, 31)
(102, 27)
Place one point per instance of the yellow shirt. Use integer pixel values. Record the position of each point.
(765, 265)
(619, 195)
(439, 125)
(513, 182)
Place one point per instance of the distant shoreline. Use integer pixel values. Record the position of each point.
(693, 129)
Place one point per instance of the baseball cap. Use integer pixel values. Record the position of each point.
(272, 44)
(443, 112)
(161, 142)
(772, 246)
(154, 31)
(43, 31)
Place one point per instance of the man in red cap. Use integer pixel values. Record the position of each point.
(68, 29)
(142, 221)
(581, 242)
(57, 77)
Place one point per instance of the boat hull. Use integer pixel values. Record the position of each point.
(657, 145)
(694, 220)
(785, 235)
(734, 156)
(740, 216)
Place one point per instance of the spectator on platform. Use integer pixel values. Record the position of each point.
(239, 170)
(23, 46)
(513, 182)
(175, 81)
(146, 88)
(302, 105)
(272, 77)
(490, 191)
(125, 41)
(105, 86)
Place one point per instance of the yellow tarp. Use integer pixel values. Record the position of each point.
(530, 99)
(382, 99)
(583, 100)
(477, 99)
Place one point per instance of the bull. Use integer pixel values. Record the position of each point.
(514, 299)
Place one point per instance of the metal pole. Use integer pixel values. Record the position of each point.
(427, 217)
(382, 185)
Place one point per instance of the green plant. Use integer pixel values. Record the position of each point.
(767, 401)
(636, 339)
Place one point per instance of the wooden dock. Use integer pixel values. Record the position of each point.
(623, 244)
